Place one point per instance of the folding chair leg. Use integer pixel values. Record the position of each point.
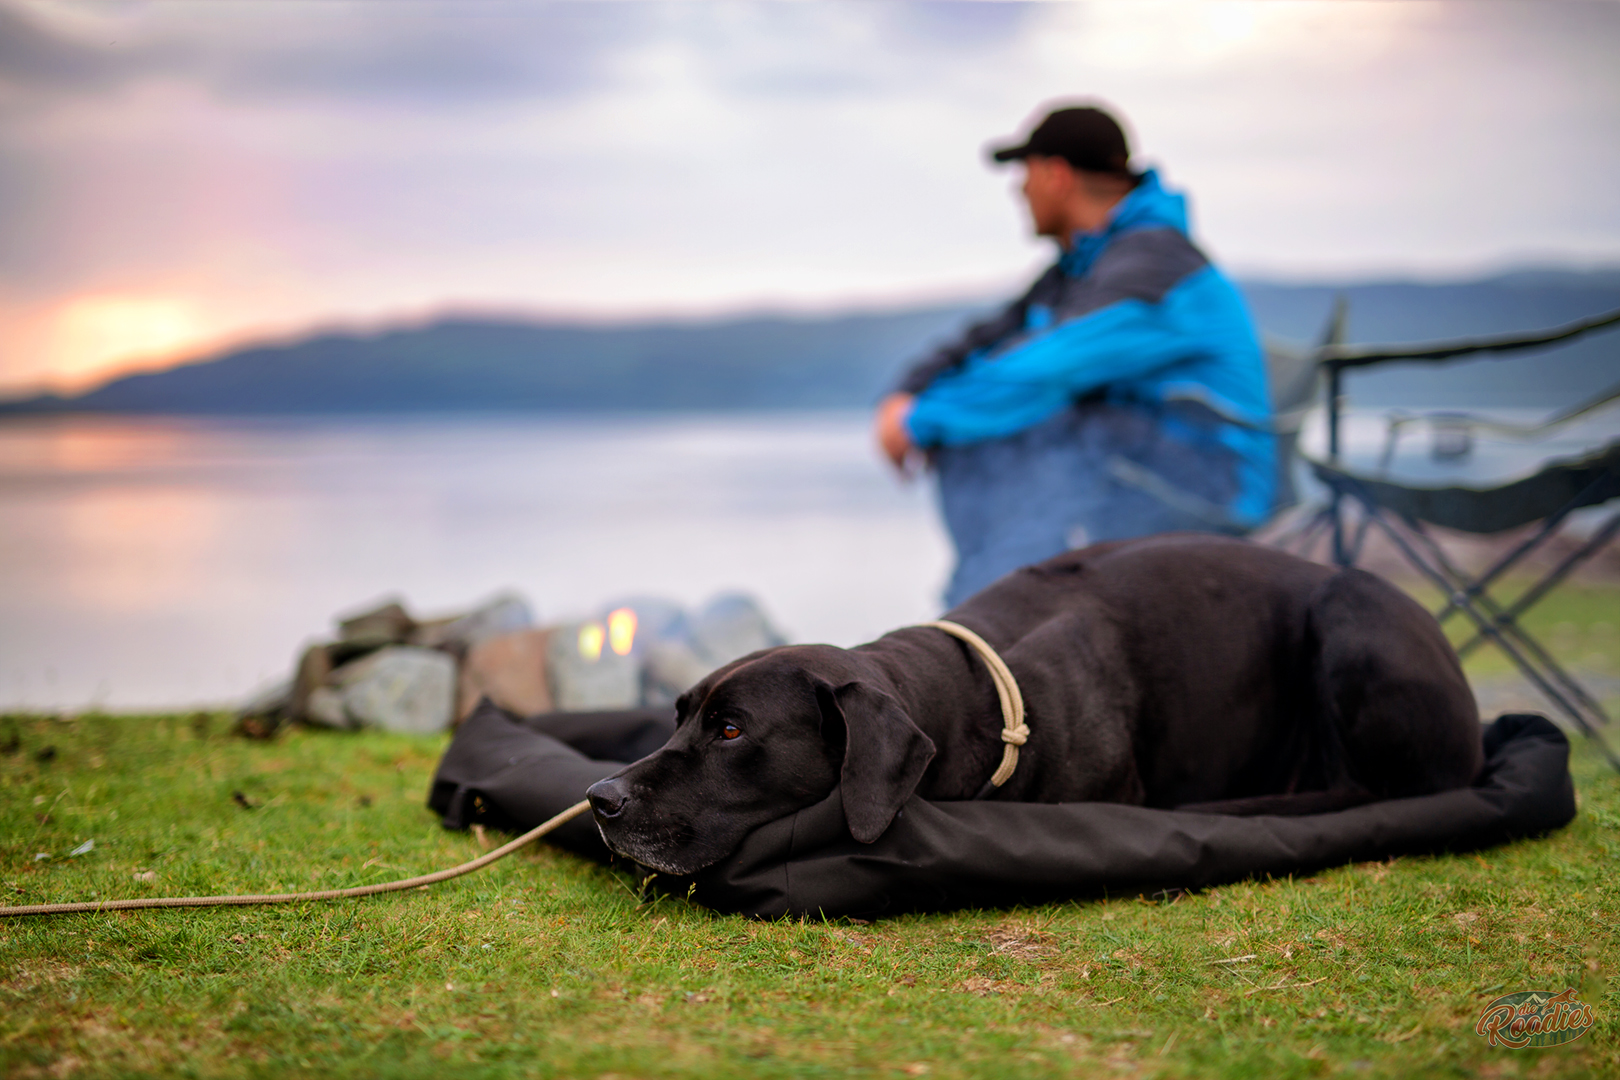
(1549, 526)
(1479, 605)
(1310, 533)
(1505, 619)
(1320, 532)
(1533, 595)
(1299, 537)
(1483, 623)
(1358, 541)
(1570, 684)
(1341, 555)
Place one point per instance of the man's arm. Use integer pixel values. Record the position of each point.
(889, 422)
(989, 397)
(976, 338)
(1144, 305)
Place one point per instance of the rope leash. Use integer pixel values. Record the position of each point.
(291, 898)
(1015, 732)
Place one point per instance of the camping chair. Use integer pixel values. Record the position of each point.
(1404, 513)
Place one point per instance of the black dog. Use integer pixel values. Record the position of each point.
(1173, 671)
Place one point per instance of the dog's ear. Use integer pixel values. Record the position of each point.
(885, 755)
(684, 706)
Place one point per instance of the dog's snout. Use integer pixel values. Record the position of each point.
(607, 797)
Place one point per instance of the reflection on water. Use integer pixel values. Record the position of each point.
(159, 563)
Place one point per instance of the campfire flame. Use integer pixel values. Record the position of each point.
(621, 631)
(590, 641)
(619, 635)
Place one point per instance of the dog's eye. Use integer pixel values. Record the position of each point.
(730, 731)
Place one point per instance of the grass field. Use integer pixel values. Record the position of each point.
(547, 966)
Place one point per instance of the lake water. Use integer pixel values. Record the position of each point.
(161, 563)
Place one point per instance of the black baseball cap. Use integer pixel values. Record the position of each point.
(1084, 136)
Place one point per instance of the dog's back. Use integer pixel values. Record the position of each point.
(1249, 672)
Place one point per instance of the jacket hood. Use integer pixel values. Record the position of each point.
(1148, 206)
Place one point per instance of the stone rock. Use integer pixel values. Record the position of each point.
(389, 624)
(402, 688)
(676, 648)
(504, 614)
(668, 670)
(314, 669)
(509, 669)
(323, 707)
(582, 679)
(732, 625)
(390, 670)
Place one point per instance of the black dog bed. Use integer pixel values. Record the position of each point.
(513, 774)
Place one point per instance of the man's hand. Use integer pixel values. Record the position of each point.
(892, 434)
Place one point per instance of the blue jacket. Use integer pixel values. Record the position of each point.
(1135, 314)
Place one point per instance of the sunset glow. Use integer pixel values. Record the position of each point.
(183, 178)
(92, 337)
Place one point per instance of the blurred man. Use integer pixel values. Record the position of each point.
(1123, 394)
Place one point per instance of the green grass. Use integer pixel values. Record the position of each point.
(545, 965)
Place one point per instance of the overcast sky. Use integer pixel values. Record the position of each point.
(177, 175)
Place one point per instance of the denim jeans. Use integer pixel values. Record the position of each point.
(1026, 497)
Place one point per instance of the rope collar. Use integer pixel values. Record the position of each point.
(1014, 731)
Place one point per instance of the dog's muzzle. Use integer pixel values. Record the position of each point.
(607, 797)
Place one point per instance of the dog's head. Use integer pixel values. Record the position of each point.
(756, 740)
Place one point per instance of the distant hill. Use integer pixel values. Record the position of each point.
(464, 364)
(459, 364)
(483, 364)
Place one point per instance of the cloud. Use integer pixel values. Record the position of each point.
(832, 51)
(263, 164)
(415, 56)
(448, 55)
(35, 57)
(410, 55)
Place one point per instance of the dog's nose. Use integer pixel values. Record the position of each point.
(607, 797)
